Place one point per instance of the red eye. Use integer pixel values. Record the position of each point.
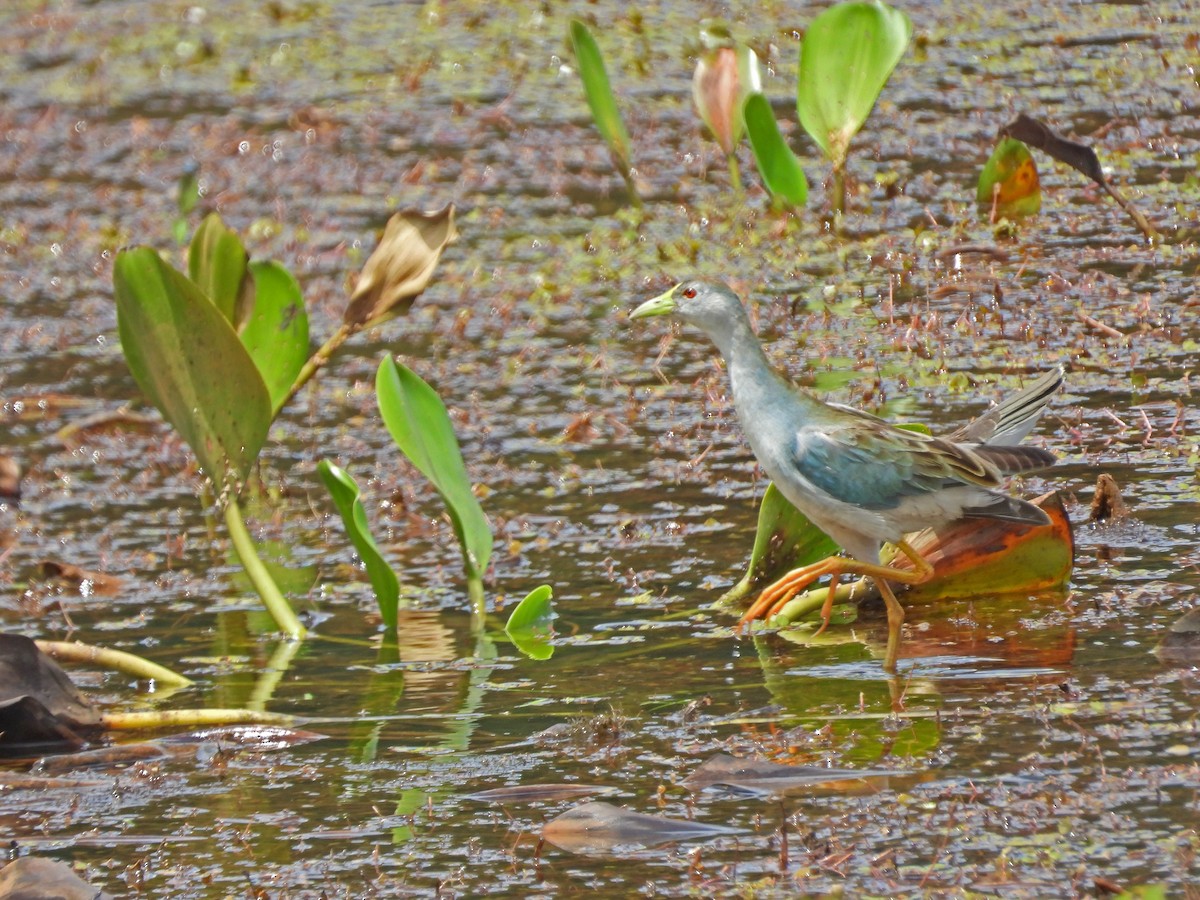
(689, 293)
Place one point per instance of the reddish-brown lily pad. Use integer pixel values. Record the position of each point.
(599, 827)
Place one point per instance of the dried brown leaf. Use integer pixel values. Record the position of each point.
(401, 265)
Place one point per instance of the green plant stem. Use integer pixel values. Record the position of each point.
(189, 718)
(839, 191)
(805, 604)
(735, 176)
(277, 605)
(120, 661)
(314, 364)
(478, 600)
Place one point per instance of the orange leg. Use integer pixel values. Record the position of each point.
(776, 596)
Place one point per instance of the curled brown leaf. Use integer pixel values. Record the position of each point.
(401, 266)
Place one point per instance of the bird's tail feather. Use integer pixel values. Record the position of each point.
(1009, 421)
(1011, 460)
(1010, 509)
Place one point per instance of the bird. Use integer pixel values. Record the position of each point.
(860, 479)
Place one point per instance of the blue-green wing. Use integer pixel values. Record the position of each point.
(870, 464)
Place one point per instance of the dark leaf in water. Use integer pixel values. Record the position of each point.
(1078, 156)
(36, 878)
(762, 777)
(85, 581)
(598, 827)
(535, 793)
(14, 781)
(114, 757)
(1107, 503)
(39, 705)
(1181, 645)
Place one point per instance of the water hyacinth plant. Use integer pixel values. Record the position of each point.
(219, 351)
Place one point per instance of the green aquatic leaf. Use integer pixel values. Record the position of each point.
(600, 99)
(186, 358)
(419, 424)
(1008, 184)
(219, 266)
(344, 491)
(276, 332)
(778, 165)
(530, 625)
(785, 539)
(847, 55)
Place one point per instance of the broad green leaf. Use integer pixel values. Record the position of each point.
(1008, 184)
(785, 540)
(344, 491)
(401, 266)
(188, 361)
(276, 332)
(777, 164)
(600, 96)
(217, 263)
(846, 57)
(417, 420)
(529, 627)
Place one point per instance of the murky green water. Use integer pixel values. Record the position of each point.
(1038, 745)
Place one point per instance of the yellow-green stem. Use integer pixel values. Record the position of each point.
(839, 191)
(735, 175)
(314, 364)
(191, 718)
(277, 605)
(119, 660)
(476, 595)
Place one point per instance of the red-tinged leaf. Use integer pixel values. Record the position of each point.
(598, 827)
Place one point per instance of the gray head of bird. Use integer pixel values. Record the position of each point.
(711, 306)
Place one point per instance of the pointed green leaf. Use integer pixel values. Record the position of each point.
(421, 428)
(530, 625)
(600, 97)
(777, 164)
(1008, 184)
(188, 361)
(785, 540)
(344, 491)
(217, 263)
(276, 332)
(846, 57)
